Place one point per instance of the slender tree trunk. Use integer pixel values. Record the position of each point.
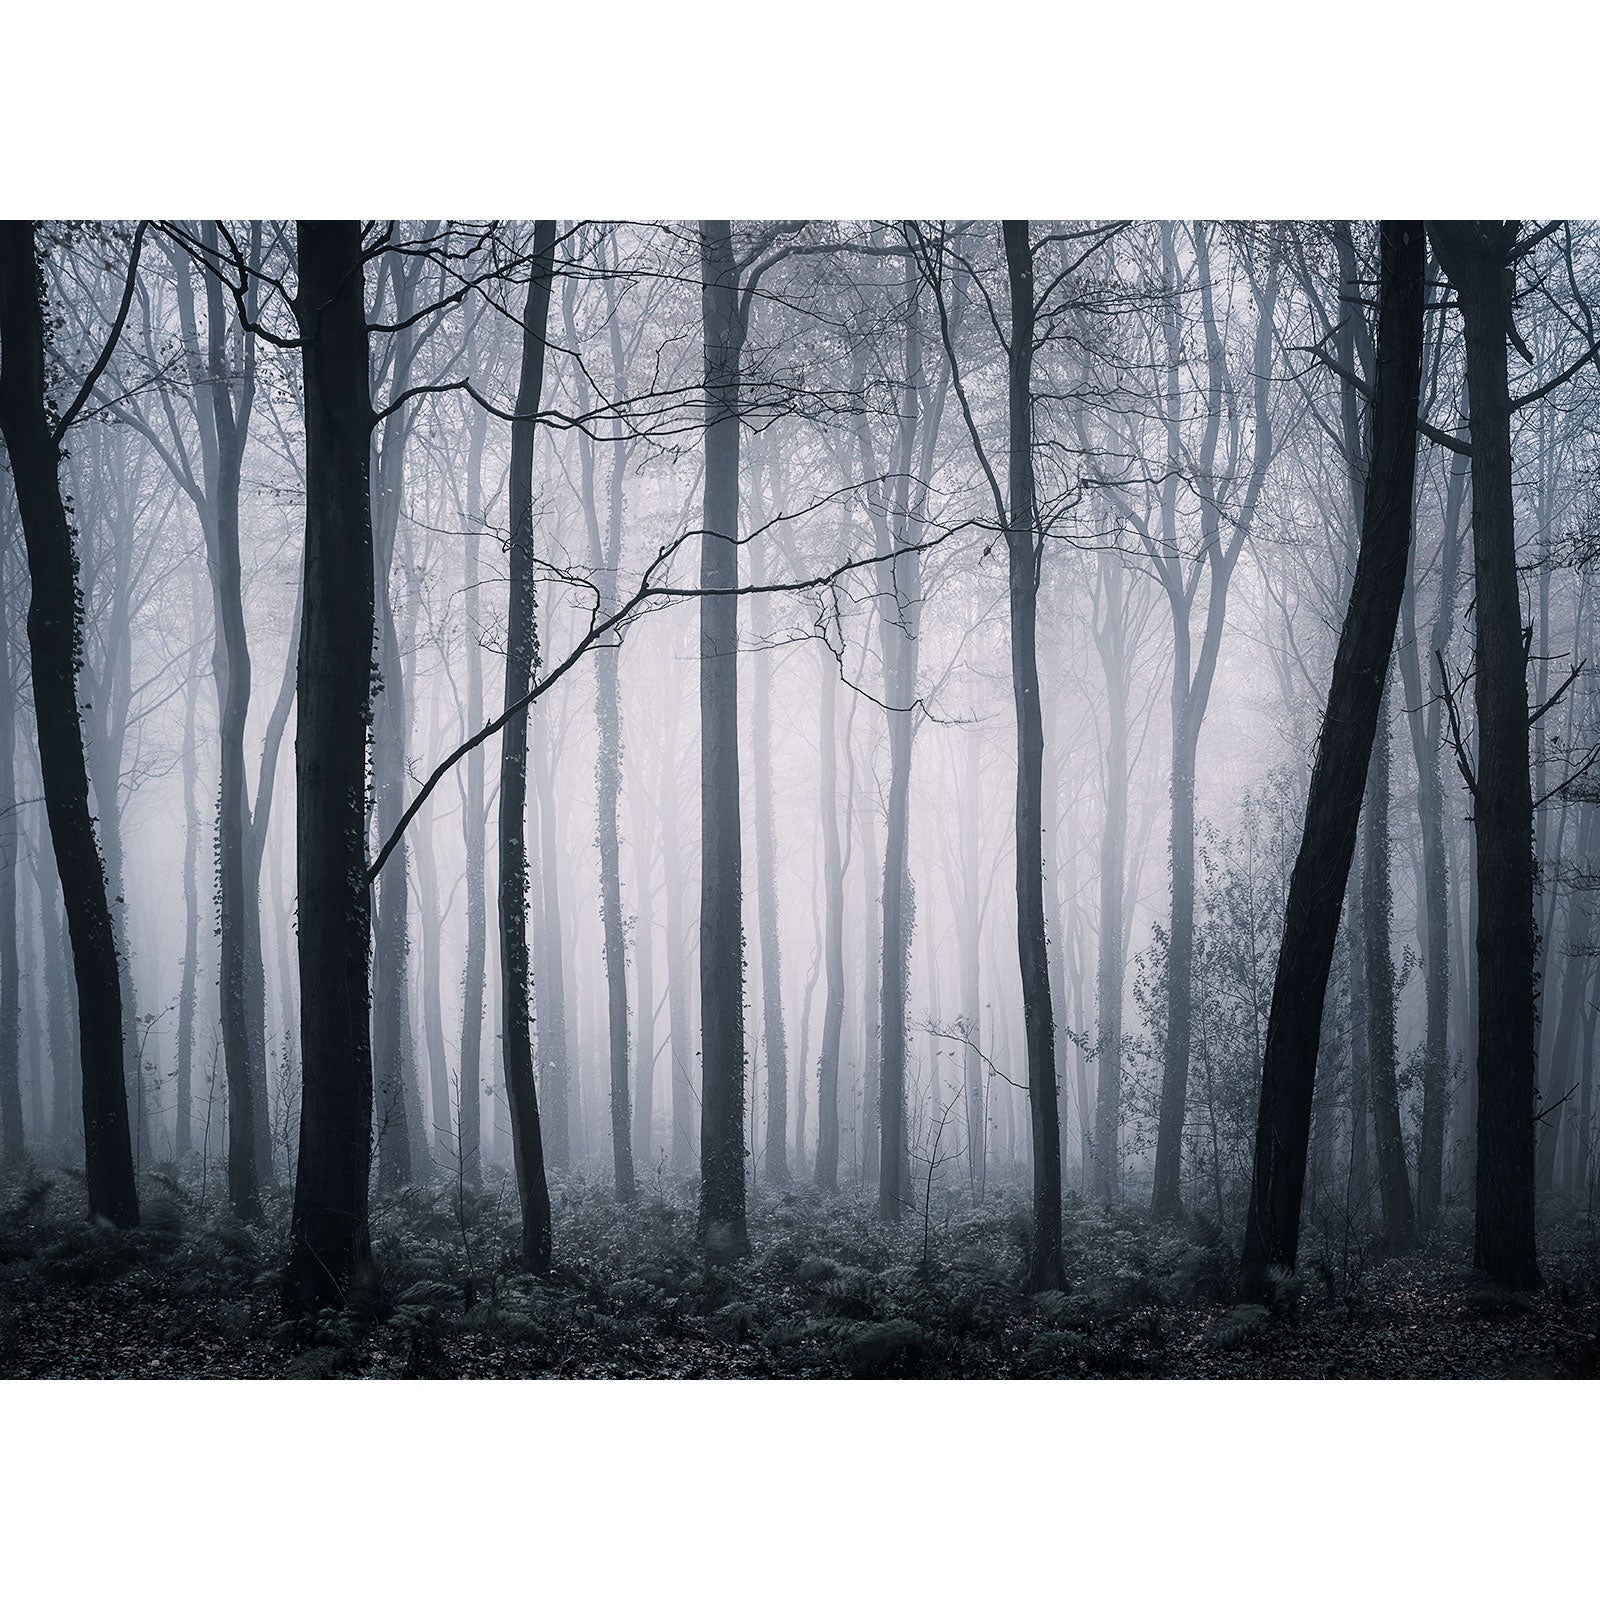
(1425, 740)
(679, 1022)
(557, 1058)
(644, 1071)
(13, 1142)
(1566, 1069)
(469, 1091)
(1477, 259)
(243, 1028)
(56, 958)
(1111, 636)
(833, 937)
(329, 1236)
(1399, 1222)
(192, 838)
(722, 1135)
(1024, 545)
(608, 790)
(872, 995)
(971, 943)
(442, 1138)
(522, 656)
(1333, 805)
(54, 637)
(776, 1042)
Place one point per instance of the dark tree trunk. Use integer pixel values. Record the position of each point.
(722, 1132)
(397, 1092)
(238, 887)
(329, 1236)
(1399, 1222)
(1477, 258)
(521, 664)
(13, 1143)
(54, 636)
(469, 1091)
(1024, 546)
(1333, 805)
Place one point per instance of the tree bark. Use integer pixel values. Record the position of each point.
(1425, 742)
(238, 888)
(54, 638)
(468, 1132)
(776, 1143)
(522, 655)
(1394, 1184)
(1025, 549)
(1477, 259)
(1333, 805)
(1111, 636)
(557, 1057)
(13, 1141)
(722, 1133)
(329, 1236)
(605, 559)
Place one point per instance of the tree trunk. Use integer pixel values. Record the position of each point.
(722, 1131)
(1477, 259)
(833, 937)
(329, 1236)
(971, 947)
(441, 1141)
(1425, 741)
(1111, 637)
(192, 837)
(776, 1042)
(522, 654)
(13, 1142)
(1399, 1222)
(468, 1132)
(679, 1022)
(1566, 1067)
(608, 790)
(1333, 805)
(397, 1104)
(557, 1059)
(1024, 547)
(54, 638)
(644, 1071)
(238, 888)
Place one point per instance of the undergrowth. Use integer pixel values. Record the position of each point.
(827, 1290)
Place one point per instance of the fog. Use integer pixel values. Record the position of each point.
(1122, 519)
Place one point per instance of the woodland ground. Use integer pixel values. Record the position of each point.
(827, 1291)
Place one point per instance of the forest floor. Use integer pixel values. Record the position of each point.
(827, 1291)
